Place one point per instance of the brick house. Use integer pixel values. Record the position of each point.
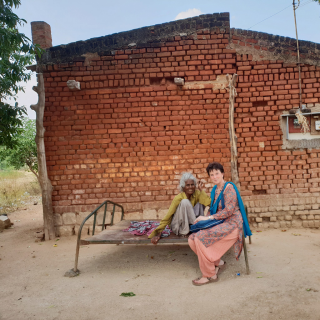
(130, 131)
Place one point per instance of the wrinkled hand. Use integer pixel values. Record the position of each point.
(200, 185)
(201, 218)
(155, 239)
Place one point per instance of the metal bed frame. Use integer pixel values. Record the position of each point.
(115, 235)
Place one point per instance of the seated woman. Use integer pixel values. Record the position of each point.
(212, 243)
(184, 208)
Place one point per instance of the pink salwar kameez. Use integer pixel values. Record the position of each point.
(212, 243)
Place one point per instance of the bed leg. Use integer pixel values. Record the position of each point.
(75, 272)
(245, 254)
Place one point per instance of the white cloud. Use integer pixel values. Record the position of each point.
(188, 14)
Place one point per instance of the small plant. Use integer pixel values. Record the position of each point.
(302, 120)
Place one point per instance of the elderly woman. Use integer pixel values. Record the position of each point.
(184, 208)
(211, 243)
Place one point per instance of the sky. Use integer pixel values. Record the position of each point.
(74, 20)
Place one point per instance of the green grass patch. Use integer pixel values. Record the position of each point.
(11, 174)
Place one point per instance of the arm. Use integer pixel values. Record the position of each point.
(166, 220)
(230, 202)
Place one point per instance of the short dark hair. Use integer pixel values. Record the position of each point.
(214, 166)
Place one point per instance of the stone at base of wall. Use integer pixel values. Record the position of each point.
(281, 212)
(286, 224)
(65, 231)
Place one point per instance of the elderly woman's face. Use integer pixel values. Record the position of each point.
(216, 176)
(189, 188)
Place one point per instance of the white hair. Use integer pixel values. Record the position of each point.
(186, 176)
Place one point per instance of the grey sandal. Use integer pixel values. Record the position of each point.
(210, 280)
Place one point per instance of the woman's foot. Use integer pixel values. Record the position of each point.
(204, 280)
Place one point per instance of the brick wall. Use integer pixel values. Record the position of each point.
(280, 187)
(130, 132)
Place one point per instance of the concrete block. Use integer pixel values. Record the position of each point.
(99, 218)
(133, 216)
(288, 218)
(128, 207)
(310, 217)
(294, 208)
(311, 224)
(65, 231)
(305, 224)
(81, 216)
(297, 223)
(303, 217)
(149, 214)
(6, 223)
(273, 219)
(283, 224)
(315, 206)
(301, 212)
(265, 214)
(317, 224)
(288, 224)
(258, 219)
(57, 220)
(310, 200)
(117, 218)
(314, 211)
(162, 213)
(276, 225)
(85, 230)
(156, 205)
(317, 217)
(266, 225)
(69, 218)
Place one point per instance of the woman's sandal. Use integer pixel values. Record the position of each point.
(201, 284)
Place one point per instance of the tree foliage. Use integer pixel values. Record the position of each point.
(25, 148)
(16, 52)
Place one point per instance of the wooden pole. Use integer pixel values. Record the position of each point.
(233, 138)
(298, 51)
(45, 183)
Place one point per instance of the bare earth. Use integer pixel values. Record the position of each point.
(284, 282)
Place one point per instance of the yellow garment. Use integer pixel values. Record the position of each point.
(198, 196)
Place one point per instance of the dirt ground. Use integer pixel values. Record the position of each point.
(284, 282)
